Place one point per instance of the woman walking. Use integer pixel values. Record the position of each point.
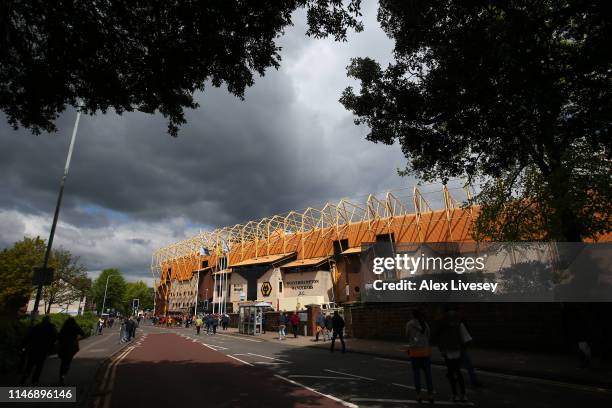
(419, 349)
(450, 346)
(68, 345)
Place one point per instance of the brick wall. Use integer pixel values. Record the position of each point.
(518, 326)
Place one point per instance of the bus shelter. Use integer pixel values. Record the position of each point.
(251, 318)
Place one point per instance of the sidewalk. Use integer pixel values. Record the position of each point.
(93, 353)
(555, 367)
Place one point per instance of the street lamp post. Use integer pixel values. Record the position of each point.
(56, 215)
(105, 289)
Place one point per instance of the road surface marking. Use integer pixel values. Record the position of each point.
(112, 377)
(331, 397)
(239, 338)
(397, 401)
(326, 377)
(350, 375)
(403, 386)
(269, 358)
(105, 380)
(214, 346)
(236, 358)
(266, 363)
(392, 360)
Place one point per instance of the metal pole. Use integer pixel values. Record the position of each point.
(104, 299)
(56, 215)
(214, 291)
(206, 299)
(195, 308)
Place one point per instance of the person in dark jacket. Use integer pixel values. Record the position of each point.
(295, 322)
(329, 327)
(338, 327)
(214, 322)
(450, 344)
(130, 327)
(208, 322)
(68, 345)
(37, 345)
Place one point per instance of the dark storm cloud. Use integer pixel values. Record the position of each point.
(132, 187)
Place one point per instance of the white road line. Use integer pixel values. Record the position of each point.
(325, 377)
(266, 363)
(242, 361)
(350, 375)
(239, 338)
(269, 358)
(392, 360)
(397, 401)
(331, 397)
(214, 346)
(410, 387)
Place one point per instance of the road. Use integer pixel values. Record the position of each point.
(176, 367)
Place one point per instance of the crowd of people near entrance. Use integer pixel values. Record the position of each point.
(208, 321)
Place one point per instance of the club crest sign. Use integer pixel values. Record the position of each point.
(266, 288)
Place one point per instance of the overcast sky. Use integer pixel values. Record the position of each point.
(133, 188)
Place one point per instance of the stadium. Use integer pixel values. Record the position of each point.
(302, 257)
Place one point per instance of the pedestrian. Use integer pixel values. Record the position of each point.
(338, 328)
(449, 342)
(68, 345)
(295, 322)
(207, 322)
(37, 345)
(225, 321)
(320, 322)
(282, 324)
(100, 326)
(123, 331)
(329, 325)
(198, 324)
(419, 350)
(131, 328)
(466, 360)
(215, 323)
(263, 323)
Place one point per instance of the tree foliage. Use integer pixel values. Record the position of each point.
(16, 265)
(143, 55)
(70, 282)
(138, 290)
(115, 293)
(515, 94)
